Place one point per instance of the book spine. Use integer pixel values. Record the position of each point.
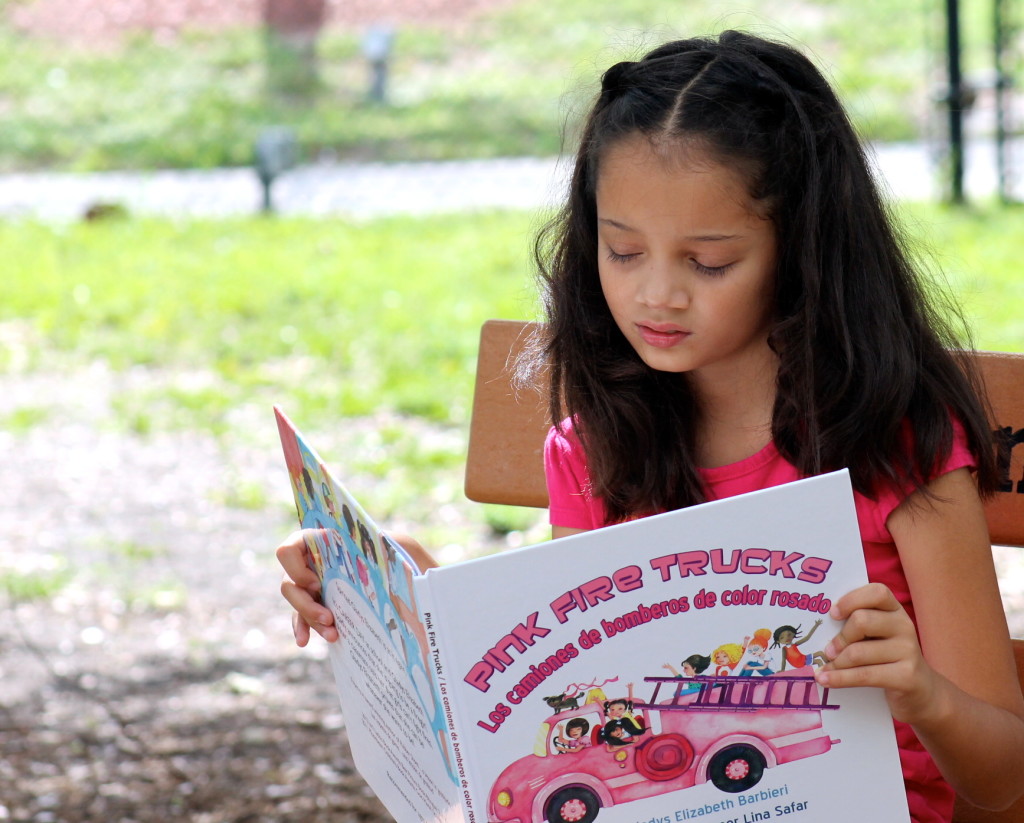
(473, 805)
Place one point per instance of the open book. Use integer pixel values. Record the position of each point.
(656, 671)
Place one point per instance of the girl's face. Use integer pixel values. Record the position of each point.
(786, 637)
(721, 658)
(575, 732)
(686, 264)
(688, 670)
(616, 710)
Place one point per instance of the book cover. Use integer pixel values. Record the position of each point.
(655, 671)
(382, 663)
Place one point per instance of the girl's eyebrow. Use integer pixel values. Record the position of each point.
(615, 224)
(709, 238)
(697, 238)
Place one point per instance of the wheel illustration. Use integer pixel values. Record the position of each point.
(737, 768)
(664, 757)
(573, 805)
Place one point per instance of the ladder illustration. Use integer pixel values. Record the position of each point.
(730, 693)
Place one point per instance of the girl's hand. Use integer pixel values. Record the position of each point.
(878, 647)
(301, 588)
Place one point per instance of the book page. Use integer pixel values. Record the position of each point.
(381, 663)
(567, 669)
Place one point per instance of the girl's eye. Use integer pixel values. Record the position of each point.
(712, 271)
(615, 257)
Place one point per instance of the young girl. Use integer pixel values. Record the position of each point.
(755, 660)
(694, 665)
(622, 727)
(789, 640)
(725, 658)
(730, 308)
(577, 741)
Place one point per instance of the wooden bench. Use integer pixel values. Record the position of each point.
(509, 423)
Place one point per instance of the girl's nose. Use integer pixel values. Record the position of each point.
(662, 287)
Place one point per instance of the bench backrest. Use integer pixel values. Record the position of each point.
(509, 423)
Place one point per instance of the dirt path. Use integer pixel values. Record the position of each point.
(147, 671)
(156, 680)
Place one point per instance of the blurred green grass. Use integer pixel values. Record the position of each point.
(503, 84)
(342, 319)
(978, 248)
(367, 329)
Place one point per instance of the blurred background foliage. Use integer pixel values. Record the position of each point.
(465, 79)
(344, 317)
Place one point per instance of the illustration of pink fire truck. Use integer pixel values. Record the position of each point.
(724, 729)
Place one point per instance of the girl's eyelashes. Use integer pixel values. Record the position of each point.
(709, 271)
(615, 257)
(712, 271)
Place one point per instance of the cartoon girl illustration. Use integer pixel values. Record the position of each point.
(785, 637)
(577, 741)
(725, 658)
(317, 491)
(621, 726)
(364, 575)
(366, 543)
(325, 492)
(614, 735)
(340, 554)
(350, 521)
(755, 657)
(693, 665)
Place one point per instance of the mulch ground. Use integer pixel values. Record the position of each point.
(152, 675)
(157, 680)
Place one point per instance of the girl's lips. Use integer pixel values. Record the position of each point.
(662, 336)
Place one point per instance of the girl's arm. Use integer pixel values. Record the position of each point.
(563, 531)
(301, 587)
(743, 658)
(807, 636)
(954, 680)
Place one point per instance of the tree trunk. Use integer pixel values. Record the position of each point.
(292, 28)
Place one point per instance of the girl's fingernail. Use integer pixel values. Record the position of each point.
(830, 650)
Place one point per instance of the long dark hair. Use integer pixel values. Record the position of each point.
(698, 661)
(868, 375)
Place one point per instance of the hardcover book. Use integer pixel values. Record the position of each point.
(655, 671)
